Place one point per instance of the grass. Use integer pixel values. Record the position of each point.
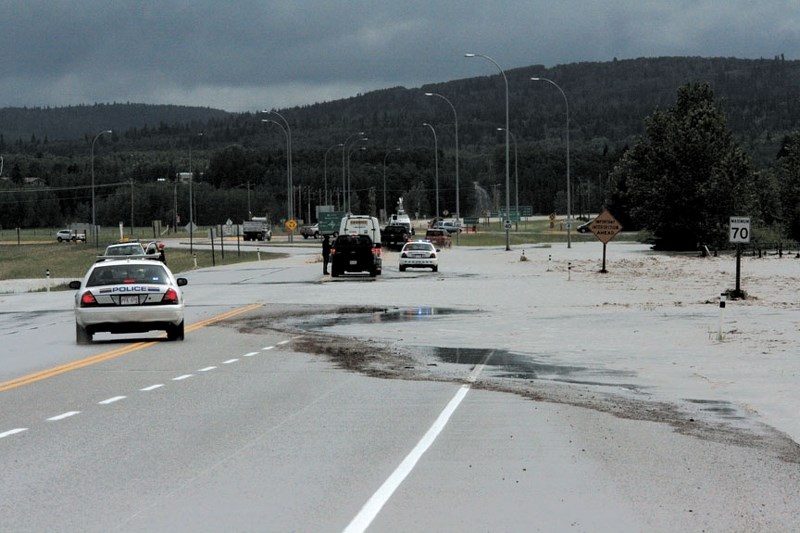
(67, 260)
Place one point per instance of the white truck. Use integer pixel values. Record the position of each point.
(70, 235)
(257, 229)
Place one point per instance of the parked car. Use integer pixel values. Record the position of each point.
(451, 226)
(115, 251)
(310, 231)
(419, 254)
(355, 253)
(70, 235)
(128, 296)
(394, 236)
(439, 237)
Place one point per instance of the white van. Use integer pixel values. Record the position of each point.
(364, 225)
(361, 225)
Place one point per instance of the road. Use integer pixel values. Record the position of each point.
(279, 412)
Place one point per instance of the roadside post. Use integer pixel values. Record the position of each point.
(47, 274)
(721, 314)
(739, 234)
(605, 227)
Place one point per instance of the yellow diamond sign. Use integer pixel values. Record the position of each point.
(605, 226)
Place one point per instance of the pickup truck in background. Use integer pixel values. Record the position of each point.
(355, 253)
(256, 229)
(70, 235)
(394, 236)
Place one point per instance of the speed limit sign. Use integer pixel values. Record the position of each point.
(740, 229)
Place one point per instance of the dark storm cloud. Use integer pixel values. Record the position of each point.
(244, 55)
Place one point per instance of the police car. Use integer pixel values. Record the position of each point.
(419, 254)
(128, 296)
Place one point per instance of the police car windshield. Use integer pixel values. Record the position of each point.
(153, 274)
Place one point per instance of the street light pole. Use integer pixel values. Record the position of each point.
(455, 117)
(569, 200)
(191, 197)
(325, 173)
(508, 194)
(516, 174)
(350, 177)
(436, 163)
(345, 167)
(385, 212)
(290, 190)
(94, 220)
(288, 131)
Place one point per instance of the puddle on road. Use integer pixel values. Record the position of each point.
(385, 316)
(526, 366)
(720, 408)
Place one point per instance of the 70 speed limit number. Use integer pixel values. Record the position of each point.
(740, 229)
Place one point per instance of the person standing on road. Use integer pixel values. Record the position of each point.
(326, 254)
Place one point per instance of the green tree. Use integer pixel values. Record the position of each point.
(687, 176)
(789, 180)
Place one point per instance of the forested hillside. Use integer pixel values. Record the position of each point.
(239, 161)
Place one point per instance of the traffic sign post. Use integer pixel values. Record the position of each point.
(605, 227)
(739, 234)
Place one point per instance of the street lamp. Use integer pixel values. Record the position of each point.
(508, 195)
(385, 212)
(436, 163)
(325, 173)
(455, 116)
(290, 186)
(290, 191)
(516, 173)
(345, 167)
(349, 175)
(191, 197)
(94, 221)
(569, 201)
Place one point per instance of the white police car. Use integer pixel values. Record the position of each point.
(128, 296)
(419, 254)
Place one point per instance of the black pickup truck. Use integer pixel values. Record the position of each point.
(394, 236)
(355, 253)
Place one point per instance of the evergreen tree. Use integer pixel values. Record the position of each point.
(687, 176)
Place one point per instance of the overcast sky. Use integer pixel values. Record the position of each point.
(246, 55)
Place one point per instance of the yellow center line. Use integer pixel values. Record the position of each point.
(105, 356)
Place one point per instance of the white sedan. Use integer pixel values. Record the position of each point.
(128, 296)
(419, 254)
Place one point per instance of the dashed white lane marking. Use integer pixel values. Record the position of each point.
(265, 348)
(251, 354)
(111, 400)
(152, 387)
(207, 369)
(62, 416)
(12, 432)
(181, 378)
(229, 361)
(284, 342)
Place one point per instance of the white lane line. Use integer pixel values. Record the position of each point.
(374, 505)
(229, 361)
(152, 387)
(284, 342)
(12, 432)
(111, 400)
(207, 369)
(62, 416)
(181, 378)
(251, 354)
(265, 348)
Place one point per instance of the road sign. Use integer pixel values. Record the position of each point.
(329, 221)
(740, 229)
(507, 225)
(605, 226)
(291, 224)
